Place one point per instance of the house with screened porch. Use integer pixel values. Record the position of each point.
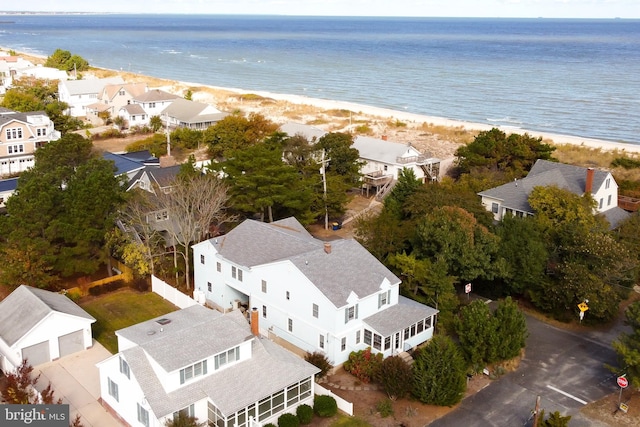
(205, 364)
(333, 297)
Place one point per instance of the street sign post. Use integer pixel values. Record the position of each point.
(623, 382)
(583, 307)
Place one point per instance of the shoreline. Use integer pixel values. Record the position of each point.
(372, 111)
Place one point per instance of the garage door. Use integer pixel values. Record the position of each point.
(37, 354)
(71, 343)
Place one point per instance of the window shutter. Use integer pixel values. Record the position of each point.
(356, 311)
(204, 367)
(346, 315)
(181, 376)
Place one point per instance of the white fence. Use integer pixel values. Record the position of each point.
(171, 294)
(343, 405)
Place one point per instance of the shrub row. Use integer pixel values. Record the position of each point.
(323, 406)
(107, 287)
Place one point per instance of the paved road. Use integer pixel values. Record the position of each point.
(566, 369)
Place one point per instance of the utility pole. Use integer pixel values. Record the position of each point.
(323, 171)
(536, 411)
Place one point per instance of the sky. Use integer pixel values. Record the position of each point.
(428, 8)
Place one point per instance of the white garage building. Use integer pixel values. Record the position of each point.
(41, 326)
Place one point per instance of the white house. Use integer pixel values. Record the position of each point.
(190, 114)
(40, 326)
(153, 102)
(78, 94)
(334, 297)
(209, 365)
(513, 198)
(20, 135)
(111, 99)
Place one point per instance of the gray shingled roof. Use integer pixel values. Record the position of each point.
(155, 95)
(615, 216)
(184, 110)
(8, 116)
(80, 87)
(133, 109)
(186, 327)
(398, 316)
(349, 267)
(515, 195)
(379, 149)
(26, 306)
(311, 133)
(271, 368)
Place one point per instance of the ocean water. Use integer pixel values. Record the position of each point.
(574, 77)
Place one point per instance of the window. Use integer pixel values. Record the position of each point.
(315, 310)
(264, 286)
(209, 286)
(383, 298)
(288, 295)
(226, 357)
(357, 337)
(234, 273)
(494, 208)
(350, 313)
(600, 204)
(264, 311)
(377, 342)
(321, 341)
(609, 200)
(14, 133)
(420, 326)
(219, 267)
(193, 371)
(201, 259)
(607, 183)
(113, 389)
(121, 93)
(41, 132)
(189, 411)
(343, 344)
(387, 343)
(143, 416)
(124, 368)
(15, 149)
(367, 337)
(152, 105)
(162, 216)
(239, 275)
(290, 325)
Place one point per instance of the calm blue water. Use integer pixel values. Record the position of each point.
(577, 77)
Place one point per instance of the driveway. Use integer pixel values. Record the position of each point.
(75, 379)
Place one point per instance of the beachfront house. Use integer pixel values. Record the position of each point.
(190, 114)
(78, 94)
(332, 297)
(513, 198)
(21, 134)
(384, 160)
(111, 99)
(40, 326)
(205, 364)
(10, 68)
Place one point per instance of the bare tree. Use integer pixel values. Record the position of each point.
(138, 221)
(195, 203)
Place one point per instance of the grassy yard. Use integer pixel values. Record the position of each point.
(120, 309)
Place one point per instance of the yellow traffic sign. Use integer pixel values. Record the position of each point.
(583, 306)
(624, 407)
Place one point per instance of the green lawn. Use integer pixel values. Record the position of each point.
(120, 309)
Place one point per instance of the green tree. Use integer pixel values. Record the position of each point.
(454, 236)
(627, 346)
(183, 419)
(511, 329)
(235, 132)
(523, 248)
(439, 373)
(477, 330)
(406, 186)
(395, 375)
(555, 419)
(155, 122)
(64, 60)
(554, 206)
(494, 150)
(188, 95)
(345, 160)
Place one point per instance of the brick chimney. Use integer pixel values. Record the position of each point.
(588, 186)
(255, 322)
(327, 247)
